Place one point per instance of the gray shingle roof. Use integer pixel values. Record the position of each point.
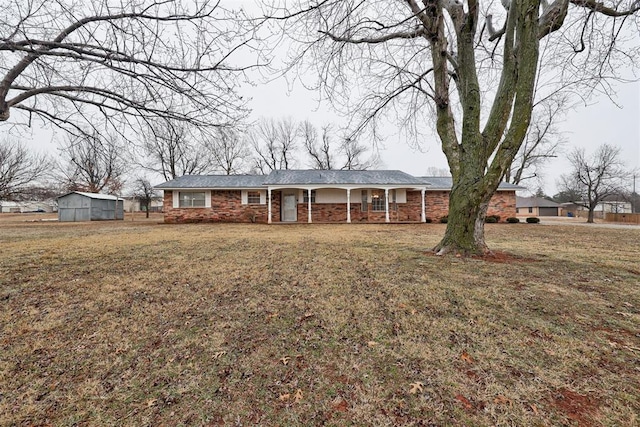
(445, 183)
(341, 177)
(535, 202)
(314, 177)
(214, 181)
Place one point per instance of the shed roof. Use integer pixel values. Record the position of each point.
(94, 195)
(342, 177)
(214, 181)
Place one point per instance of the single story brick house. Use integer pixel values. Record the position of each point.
(306, 196)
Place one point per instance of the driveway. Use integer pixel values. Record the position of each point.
(560, 220)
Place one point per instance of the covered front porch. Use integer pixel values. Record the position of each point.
(326, 203)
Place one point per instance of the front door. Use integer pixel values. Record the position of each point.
(289, 209)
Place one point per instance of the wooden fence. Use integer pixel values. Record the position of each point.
(627, 218)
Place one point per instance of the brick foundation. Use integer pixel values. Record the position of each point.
(226, 206)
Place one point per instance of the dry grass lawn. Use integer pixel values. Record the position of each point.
(137, 323)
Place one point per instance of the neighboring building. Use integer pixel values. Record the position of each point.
(132, 204)
(28, 206)
(537, 206)
(611, 205)
(79, 206)
(317, 196)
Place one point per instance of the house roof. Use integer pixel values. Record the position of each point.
(214, 181)
(311, 177)
(341, 177)
(535, 202)
(446, 182)
(93, 195)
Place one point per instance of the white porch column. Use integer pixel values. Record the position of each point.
(386, 205)
(269, 205)
(348, 205)
(423, 217)
(309, 206)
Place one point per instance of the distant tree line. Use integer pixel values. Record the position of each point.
(167, 149)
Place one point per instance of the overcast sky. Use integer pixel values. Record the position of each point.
(602, 121)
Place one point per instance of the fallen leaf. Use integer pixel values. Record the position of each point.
(151, 402)
(416, 387)
(340, 404)
(413, 311)
(466, 402)
(372, 343)
(298, 396)
(534, 408)
(271, 316)
(502, 400)
(285, 360)
(219, 354)
(284, 397)
(465, 356)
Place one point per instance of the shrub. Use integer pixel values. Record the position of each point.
(513, 220)
(444, 219)
(497, 217)
(533, 220)
(490, 219)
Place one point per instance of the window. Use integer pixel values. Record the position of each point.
(530, 209)
(306, 196)
(253, 197)
(192, 199)
(377, 201)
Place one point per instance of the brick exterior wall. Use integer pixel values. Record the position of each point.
(226, 206)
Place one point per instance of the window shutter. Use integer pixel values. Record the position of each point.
(243, 196)
(176, 198)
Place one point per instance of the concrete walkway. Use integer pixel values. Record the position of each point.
(560, 220)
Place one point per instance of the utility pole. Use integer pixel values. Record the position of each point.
(634, 209)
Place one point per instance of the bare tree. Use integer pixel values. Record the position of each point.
(353, 152)
(172, 149)
(318, 148)
(543, 142)
(274, 143)
(75, 65)
(229, 151)
(93, 163)
(144, 192)
(326, 153)
(435, 171)
(476, 67)
(594, 179)
(20, 169)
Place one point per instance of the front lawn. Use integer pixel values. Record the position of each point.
(138, 323)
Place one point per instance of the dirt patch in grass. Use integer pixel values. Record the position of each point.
(133, 323)
(578, 408)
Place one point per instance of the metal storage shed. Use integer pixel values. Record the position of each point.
(79, 206)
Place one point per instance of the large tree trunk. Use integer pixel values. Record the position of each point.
(590, 216)
(468, 204)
